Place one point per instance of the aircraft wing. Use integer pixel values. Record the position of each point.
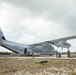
(53, 41)
(65, 38)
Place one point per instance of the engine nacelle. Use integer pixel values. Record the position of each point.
(63, 44)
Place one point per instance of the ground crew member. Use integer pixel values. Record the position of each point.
(68, 53)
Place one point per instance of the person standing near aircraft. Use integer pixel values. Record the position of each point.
(68, 53)
(59, 54)
(56, 53)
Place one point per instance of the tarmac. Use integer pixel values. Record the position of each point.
(19, 57)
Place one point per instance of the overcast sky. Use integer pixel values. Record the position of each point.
(32, 21)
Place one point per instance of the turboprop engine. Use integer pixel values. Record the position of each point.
(63, 44)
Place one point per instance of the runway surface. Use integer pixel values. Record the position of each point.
(52, 57)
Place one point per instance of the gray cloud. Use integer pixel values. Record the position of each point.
(62, 12)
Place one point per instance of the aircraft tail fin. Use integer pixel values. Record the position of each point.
(1, 36)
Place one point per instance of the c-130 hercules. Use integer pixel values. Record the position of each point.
(35, 49)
